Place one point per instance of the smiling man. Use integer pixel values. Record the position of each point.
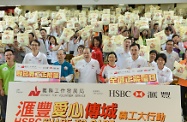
(88, 68)
(66, 68)
(125, 53)
(35, 57)
(135, 61)
(6, 75)
(172, 56)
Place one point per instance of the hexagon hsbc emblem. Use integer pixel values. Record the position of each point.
(139, 94)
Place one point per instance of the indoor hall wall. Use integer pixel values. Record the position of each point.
(53, 8)
(162, 6)
(41, 8)
(180, 5)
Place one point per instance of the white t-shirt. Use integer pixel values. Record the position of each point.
(122, 57)
(88, 71)
(139, 62)
(71, 45)
(106, 68)
(171, 58)
(152, 64)
(164, 75)
(80, 42)
(169, 37)
(54, 53)
(181, 47)
(31, 59)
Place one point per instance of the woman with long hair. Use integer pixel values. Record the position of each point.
(54, 46)
(96, 47)
(144, 34)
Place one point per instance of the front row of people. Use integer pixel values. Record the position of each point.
(89, 69)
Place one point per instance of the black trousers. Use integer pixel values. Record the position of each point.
(3, 102)
(184, 100)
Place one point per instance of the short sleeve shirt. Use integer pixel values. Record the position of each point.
(6, 75)
(139, 62)
(88, 71)
(66, 68)
(31, 59)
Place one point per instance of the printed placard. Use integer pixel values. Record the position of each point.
(58, 102)
(2, 14)
(23, 39)
(33, 72)
(8, 37)
(161, 36)
(134, 75)
(180, 70)
(67, 34)
(154, 44)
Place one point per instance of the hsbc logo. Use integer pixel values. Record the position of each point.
(119, 93)
(139, 94)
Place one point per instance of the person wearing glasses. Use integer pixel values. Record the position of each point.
(6, 75)
(35, 57)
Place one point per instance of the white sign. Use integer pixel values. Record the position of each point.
(33, 72)
(134, 75)
(59, 102)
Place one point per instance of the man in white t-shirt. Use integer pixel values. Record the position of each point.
(35, 57)
(88, 68)
(125, 53)
(169, 32)
(135, 61)
(172, 56)
(152, 57)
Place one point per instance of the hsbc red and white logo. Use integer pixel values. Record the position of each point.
(139, 94)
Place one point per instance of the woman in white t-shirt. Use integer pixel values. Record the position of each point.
(54, 46)
(165, 75)
(103, 75)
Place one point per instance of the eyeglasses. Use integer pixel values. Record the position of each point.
(34, 45)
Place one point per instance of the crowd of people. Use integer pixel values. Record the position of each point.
(90, 63)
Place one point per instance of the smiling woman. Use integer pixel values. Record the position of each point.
(165, 75)
(103, 75)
